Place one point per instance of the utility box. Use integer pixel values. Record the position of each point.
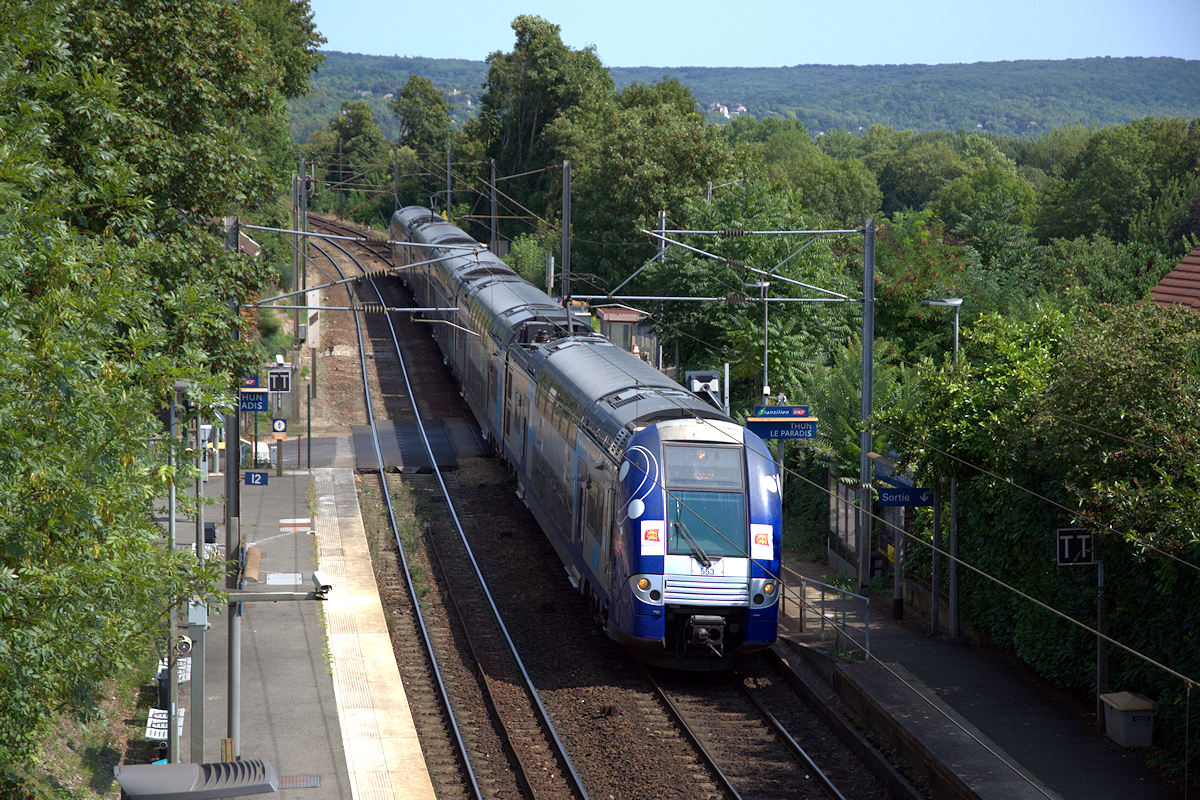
(1128, 718)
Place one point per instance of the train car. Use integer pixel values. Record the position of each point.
(665, 513)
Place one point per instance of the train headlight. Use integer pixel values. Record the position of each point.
(647, 588)
(763, 592)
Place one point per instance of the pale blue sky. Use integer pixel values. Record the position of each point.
(775, 33)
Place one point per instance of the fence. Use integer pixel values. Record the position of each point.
(831, 609)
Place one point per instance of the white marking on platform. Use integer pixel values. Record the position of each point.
(284, 578)
(158, 722)
(383, 754)
(277, 536)
(305, 522)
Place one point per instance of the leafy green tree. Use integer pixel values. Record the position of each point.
(165, 126)
(910, 176)
(1120, 425)
(424, 115)
(125, 132)
(528, 257)
(708, 334)
(1090, 272)
(841, 189)
(353, 161)
(1096, 418)
(1119, 172)
(991, 183)
(526, 90)
(975, 412)
(633, 155)
(292, 40)
(915, 261)
(1171, 223)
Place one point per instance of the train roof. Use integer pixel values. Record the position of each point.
(617, 392)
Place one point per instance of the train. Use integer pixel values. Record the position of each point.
(665, 513)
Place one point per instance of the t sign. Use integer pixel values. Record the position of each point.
(279, 381)
(1074, 547)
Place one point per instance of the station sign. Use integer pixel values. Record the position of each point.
(279, 380)
(781, 411)
(249, 381)
(1075, 547)
(257, 478)
(906, 496)
(253, 400)
(783, 422)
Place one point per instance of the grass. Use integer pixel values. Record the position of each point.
(409, 513)
(76, 762)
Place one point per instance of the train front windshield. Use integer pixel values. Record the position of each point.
(706, 501)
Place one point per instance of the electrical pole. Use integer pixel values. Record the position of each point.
(341, 179)
(233, 504)
(495, 243)
(172, 656)
(566, 239)
(863, 543)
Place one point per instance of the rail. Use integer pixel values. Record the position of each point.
(840, 620)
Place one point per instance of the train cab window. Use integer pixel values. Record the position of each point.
(713, 467)
(706, 501)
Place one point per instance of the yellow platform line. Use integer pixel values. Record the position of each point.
(383, 754)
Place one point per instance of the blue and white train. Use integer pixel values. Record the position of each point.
(665, 513)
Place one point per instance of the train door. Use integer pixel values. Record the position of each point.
(579, 502)
(606, 543)
(514, 413)
(592, 501)
(491, 402)
(510, 410)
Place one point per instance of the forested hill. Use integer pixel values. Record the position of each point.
(1020, 98)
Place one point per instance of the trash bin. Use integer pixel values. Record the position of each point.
(1128, 718)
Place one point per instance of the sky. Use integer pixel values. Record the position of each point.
(774, 33)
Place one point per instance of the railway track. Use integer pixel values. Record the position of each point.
(621, 738)
(535, 763)
(742, 740)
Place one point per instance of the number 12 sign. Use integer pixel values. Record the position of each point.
(255, 478)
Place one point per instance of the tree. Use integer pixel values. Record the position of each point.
(990, 183)
(1120, 172)
(916, 261)
(708, 334)
(1096, 414)
(1128, 465)
(125, 134)
(633, 155)
(352, 158)
(424, 116)
(526, 90)
(292, 40)
(840, 189)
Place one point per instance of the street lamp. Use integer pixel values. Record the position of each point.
(952, 623)
(949, 302)
(762, 288)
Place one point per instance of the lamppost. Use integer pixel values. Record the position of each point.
(952, 623)
(762, 288)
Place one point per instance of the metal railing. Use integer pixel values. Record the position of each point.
(831, 608)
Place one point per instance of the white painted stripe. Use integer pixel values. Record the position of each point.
(383, 754)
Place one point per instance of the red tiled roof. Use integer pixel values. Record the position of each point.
(618, 313)
(1180, 286)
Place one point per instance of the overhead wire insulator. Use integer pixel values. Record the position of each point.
(372, 308)
(732, 233)
(382, 272)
